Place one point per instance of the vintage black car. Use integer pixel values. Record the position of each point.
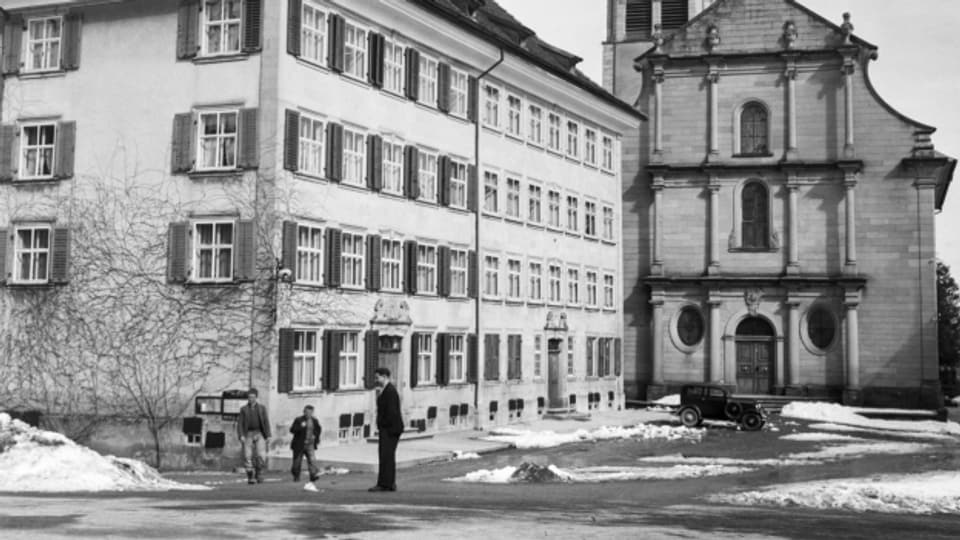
(704, 401)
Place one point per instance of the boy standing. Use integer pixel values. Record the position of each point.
(306, 436)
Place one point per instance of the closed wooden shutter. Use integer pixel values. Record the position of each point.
(8, 135)
(515, 349)
(70, 50)
(375, 162)
(442, 360)
(245, 251)
(443, 271)
(3, 254)
(294, 26)
(473, 273)
(290, 243)
(375, 50)
(472, 188)
(178, 246)
(60, 264)
(674, 14)
(373, 262)
(65, 149)
(334, 239)
(332, 344)
(334, 152)
(589, 356)
(639, 19)
(249, 140)
(414, 359)
(291, 140)
(617, 358)
(472, 355)
(12, 42)
(412, 62)
(473, 97)
(182, 149)
(335, 42)
(443, 87)
(410, 256)
(371, 358)
(411, 171)
(188, 29)
(285, 360)
(491, 357)
(443, 180)
(252, 25)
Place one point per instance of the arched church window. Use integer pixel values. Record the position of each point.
(755, 216)
(754, 130)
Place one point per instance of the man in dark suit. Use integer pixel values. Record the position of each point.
(389, 426)
(253, 429)
(306, 437)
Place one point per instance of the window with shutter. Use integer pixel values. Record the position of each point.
(414, 360)
(410, 254)
(332, 344)
(60, 265)
(335, 42)
(290, 245)
(65, 148)
(334, 252)
(8, 134)
(473, 98)
(472, 188)
(491, 358)
(412, 79)
(12, 43)
(37, 152)
(443, 180)
(374, 162)
(472, 356)
(249, 157)
(373, 262)
(514, 362)
(72, 25)
(33, 249)
(473, 273)
(214, 254)
(285, 360)
(181, 150)
(295, 27)
(246, 251)
(252, 25)
(411, 167)
(222, 27)
(441, 360)
(178, 245)
(291, 140)
(334, 152)
(443, 271)
(375, 50)
(371, 355)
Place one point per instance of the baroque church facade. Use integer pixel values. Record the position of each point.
(778, 213)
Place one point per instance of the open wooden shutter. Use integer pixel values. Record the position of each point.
(589, 356)
(294, 26)
(335, 42)
(443, 87)
(182, 149)
(70, 55)
(65, 149)
(473, 98)
(443, 271)
(491, 357)
(441, 359)
(334, 152)
(617, 360)
(414, 354)
(472, 188)
(12, 43)
(410, 256)
(3, 254)
(252, 25)
(290, 243)
(178, 247)
(249, 157)
(375, 50)
(411, 168)
(443, 180)
(291, 140)
(472, 355)
(374, 162)
(60, 264)
(412, 62)
(285, 360)
(334, 239)
(371, 358)
(188, 29)
(8, 135)
(331, 364)
(245, 251)
(373, 262)
(473, 283)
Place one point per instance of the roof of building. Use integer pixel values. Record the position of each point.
(491, 21)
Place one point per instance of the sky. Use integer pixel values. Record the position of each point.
(917, 72)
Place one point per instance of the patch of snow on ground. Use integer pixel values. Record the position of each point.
(681, 459)
(926, 493)
(819, 437)
(547, 439)
(907, 434)
(460, 454)
(838, 414)
(32, 459)
(505, 475)
(859, 449)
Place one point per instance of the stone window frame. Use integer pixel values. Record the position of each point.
(808, 344)
(674, 328)
(735, 242)
(736, 125)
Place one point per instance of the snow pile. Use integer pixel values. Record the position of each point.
(460, 454)
(310, 487)
(860, 449)
(838, 414)
(672, 400)
(32, 459)
(547, 439)
(926, 493)
(820, 437)
(906, 434)
(528, 473)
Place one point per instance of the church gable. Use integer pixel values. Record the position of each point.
(753, 26)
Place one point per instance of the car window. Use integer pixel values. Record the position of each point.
(692, 392)
(716, 392)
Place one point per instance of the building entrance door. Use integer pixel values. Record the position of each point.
(755, 356)
(554, 391)
(389, 357)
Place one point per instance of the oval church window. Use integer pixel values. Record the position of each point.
(821, 327)
(690, 326)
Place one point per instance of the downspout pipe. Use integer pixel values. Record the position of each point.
(476, 234)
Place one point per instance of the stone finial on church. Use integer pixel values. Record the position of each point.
(657, 38)
(713, 37)
(847, 29)
(790, 34)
